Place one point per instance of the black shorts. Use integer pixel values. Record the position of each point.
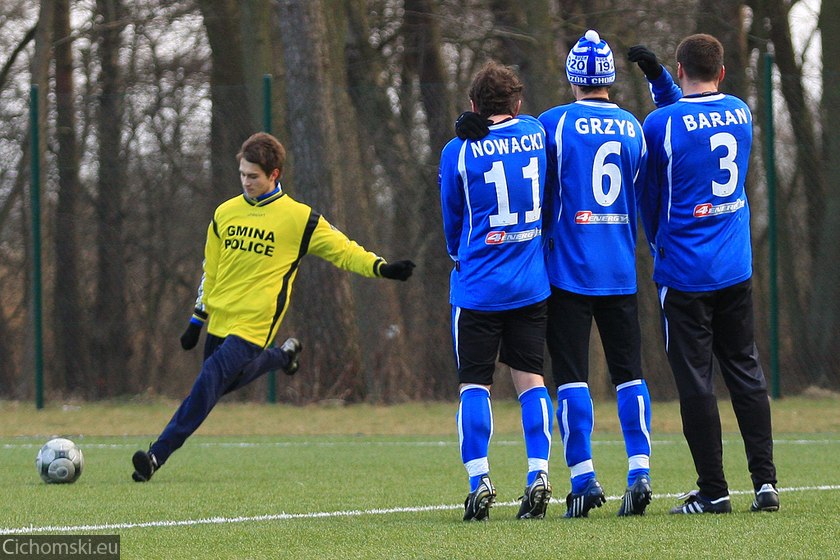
(570, 324)
(516, 336)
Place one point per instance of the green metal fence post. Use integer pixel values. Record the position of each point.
(770, 163)
(35, 202)
(272, 375)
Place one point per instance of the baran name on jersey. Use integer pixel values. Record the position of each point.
(238, 238)
(499, 237)
(713, 119)
(595, 125)
(501, 146)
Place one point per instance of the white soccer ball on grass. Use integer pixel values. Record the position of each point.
(60, 461)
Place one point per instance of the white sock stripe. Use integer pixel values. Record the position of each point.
(478, 466)
(575, 385)
(519, 396)
(460, 422)
(627, 384)
(537, 464)
(641, 402)
(473, 386)
(564, 423)
(490, 412)
(546, 418)
(583, 467)
(638, 462)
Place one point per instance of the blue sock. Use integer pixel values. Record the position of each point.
(633, 400)
(537, 423)
(475, 428)
(576, 418)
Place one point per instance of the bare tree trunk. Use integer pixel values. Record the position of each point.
(69, 324)
(322, 292)
(363, 119)
(232, 119)
(802, 122)
(824, 316)
(112, 332)
(528, 41)
(725, 20)
(424, 65)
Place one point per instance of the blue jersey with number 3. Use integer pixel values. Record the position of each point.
(596, 151)
(695, 209)
(491, 196)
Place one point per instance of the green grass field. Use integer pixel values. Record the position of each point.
(262, 481)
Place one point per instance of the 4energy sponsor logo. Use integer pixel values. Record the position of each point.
(588, 217)
(709, 209)
(499, 237)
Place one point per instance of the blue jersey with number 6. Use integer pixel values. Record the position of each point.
(596, 151)
(491, 196)
(695, 211)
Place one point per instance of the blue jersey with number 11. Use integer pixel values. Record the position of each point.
(491, 196)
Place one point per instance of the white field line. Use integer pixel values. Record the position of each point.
(312, 515)
(441, 443)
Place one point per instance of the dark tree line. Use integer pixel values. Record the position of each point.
(145, 105)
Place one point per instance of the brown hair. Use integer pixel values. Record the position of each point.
(265, 150)
(496, 90)
(701, 57)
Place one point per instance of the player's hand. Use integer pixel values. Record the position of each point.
(190, 337)
(400, 270)
(646, 59)
(471, 126)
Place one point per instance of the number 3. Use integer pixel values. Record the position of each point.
(727, 162)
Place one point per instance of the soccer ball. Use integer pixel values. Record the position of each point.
(60, 460)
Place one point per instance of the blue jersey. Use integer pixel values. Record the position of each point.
(694, 209)
(491, 195)
(595, 152)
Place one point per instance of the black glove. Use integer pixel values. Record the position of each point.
(646, 60)
(471, 126)
(190, 337)
(399, 270)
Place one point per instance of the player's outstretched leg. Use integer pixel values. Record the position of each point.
(145, 465)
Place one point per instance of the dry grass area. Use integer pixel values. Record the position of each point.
(809, 413)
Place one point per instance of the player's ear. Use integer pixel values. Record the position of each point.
(722, 74)
(518, 107)
(472, 106)
(275, 175)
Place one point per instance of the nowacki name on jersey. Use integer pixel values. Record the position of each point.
(501, 146)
